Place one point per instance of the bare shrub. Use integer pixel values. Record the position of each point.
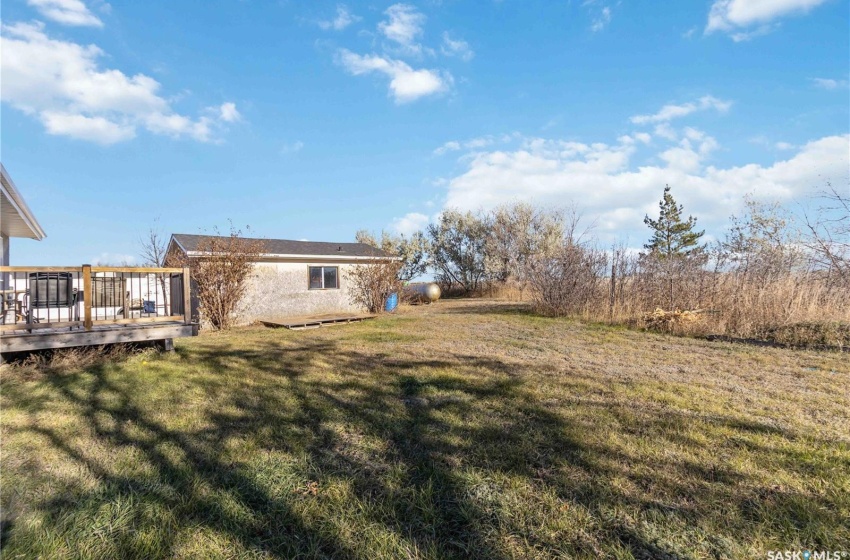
(220, 273)
(370, 285)
(570, 282)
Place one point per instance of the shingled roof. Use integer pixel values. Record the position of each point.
(290, 247)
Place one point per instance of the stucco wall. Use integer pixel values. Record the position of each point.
(281, 290)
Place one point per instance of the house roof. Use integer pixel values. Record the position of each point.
(16, 218)
(289, 248)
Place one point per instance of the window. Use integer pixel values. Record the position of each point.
(324, 277)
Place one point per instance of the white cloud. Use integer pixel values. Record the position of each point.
(403, 26)
(450, 146)
(664, 130)
(456, 47)
(228, 112)
(765, 142)
(600, 14)
(113, 259)
(683, 159)
(472, 144)
(293, 148)
(479, 142)
(409, 223)
(737, 16)
(670, 112)
(605, 181)
(402, 29)
(829, 83)
(686, 157)
(94, 129)
(739, 36)
(602, 20)
(176, 125)
(68, 12)
(61, 84)
(642, 137)
(406, 84)
(343, 19)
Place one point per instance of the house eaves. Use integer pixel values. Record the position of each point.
(16, 218)
(306, 258)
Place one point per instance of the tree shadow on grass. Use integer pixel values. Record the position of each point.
(316, 400)
(492, 308)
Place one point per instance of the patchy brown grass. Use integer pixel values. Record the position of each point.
(60, 360)
(461, 429)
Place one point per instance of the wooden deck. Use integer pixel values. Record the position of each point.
(65, 337)
(63, 307)
(315, 321)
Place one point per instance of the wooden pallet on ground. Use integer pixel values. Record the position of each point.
(315, 321)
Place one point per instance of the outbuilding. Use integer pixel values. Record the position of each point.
(293, 278)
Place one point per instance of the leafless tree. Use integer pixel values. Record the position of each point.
(153, 247)
(828, 233)
(221, 273)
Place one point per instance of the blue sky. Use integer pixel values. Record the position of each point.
(311, 120)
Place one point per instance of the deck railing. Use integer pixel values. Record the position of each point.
(84, 297)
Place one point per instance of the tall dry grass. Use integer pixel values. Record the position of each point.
(730, 305)
(66, 360)
(761, 300)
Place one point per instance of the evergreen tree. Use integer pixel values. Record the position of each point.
(674, 245)
(671, 237)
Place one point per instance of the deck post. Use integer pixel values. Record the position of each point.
(165, 344)
(87, 297)
(187, 297)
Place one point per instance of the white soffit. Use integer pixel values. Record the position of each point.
(16, 219)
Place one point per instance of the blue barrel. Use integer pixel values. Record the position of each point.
(392, 303)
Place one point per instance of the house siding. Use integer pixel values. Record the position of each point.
(4, 261)
(4, 250)
(281, 289)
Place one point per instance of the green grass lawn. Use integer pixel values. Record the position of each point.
(458, 430)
